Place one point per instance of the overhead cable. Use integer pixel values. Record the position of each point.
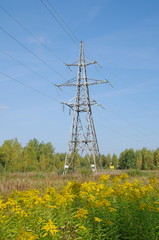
(31, 52)
(62, 26)
(28, 86)
(30, 69)
(33, 35)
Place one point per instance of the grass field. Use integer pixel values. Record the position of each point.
(114, 206)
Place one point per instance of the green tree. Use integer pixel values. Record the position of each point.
(16, 155)
(156, 158)
(103, 161)
(147, 159)
(127, 159)
(58, 161)
(150, 160)
(46, 156)
(138, 155)
(30, 156)
(10, 155)
(108, 160)
(6, 151)
(144, 152)
(114, 160)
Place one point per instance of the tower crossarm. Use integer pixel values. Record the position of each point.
(80, 64)
(92, 82)
(81, 106)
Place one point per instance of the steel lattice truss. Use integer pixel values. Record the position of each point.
(83, 139)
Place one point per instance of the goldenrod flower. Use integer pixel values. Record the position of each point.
(156, 203)
(112, 209)
(24, 235)
(81, 213)
(97, 219)
(104, 178)
(83, 228)
(49, 227)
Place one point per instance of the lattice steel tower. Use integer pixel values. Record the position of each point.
(83, 139)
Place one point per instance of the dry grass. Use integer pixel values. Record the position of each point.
(10, 182)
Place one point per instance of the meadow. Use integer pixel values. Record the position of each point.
(114, 205)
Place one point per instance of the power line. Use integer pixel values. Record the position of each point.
(86, 50)
(32, 53)
(64, 28)
(67, 29)
(119, 133)
(30, 69)
(71, 34)
(28, 86)
(66, 25)
(131, 99)
(62, 24)
(134, 133)
(125, 119)
(75, 40)
(34, 36)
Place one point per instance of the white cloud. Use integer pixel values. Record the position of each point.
(37, 40)
(94, 12)
(4, 107)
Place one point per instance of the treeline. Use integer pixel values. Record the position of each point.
(143, 159)
(42, 156)
(34, 156)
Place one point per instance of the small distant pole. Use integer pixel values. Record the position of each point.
(83, 139)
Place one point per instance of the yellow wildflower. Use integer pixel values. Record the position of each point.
(83, 228)
(153, 180)
(142, 206)
(97, 219)
(102, 203)
(2, 205)
(81, 213)
(49, 228)
(123, 176)
(104, 178)
(112, 209)
(24, 235)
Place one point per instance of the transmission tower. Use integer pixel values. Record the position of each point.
(83, 139)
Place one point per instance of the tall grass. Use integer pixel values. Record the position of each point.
(9, 182)
(142, 173)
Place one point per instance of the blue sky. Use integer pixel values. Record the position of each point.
(121, 35)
